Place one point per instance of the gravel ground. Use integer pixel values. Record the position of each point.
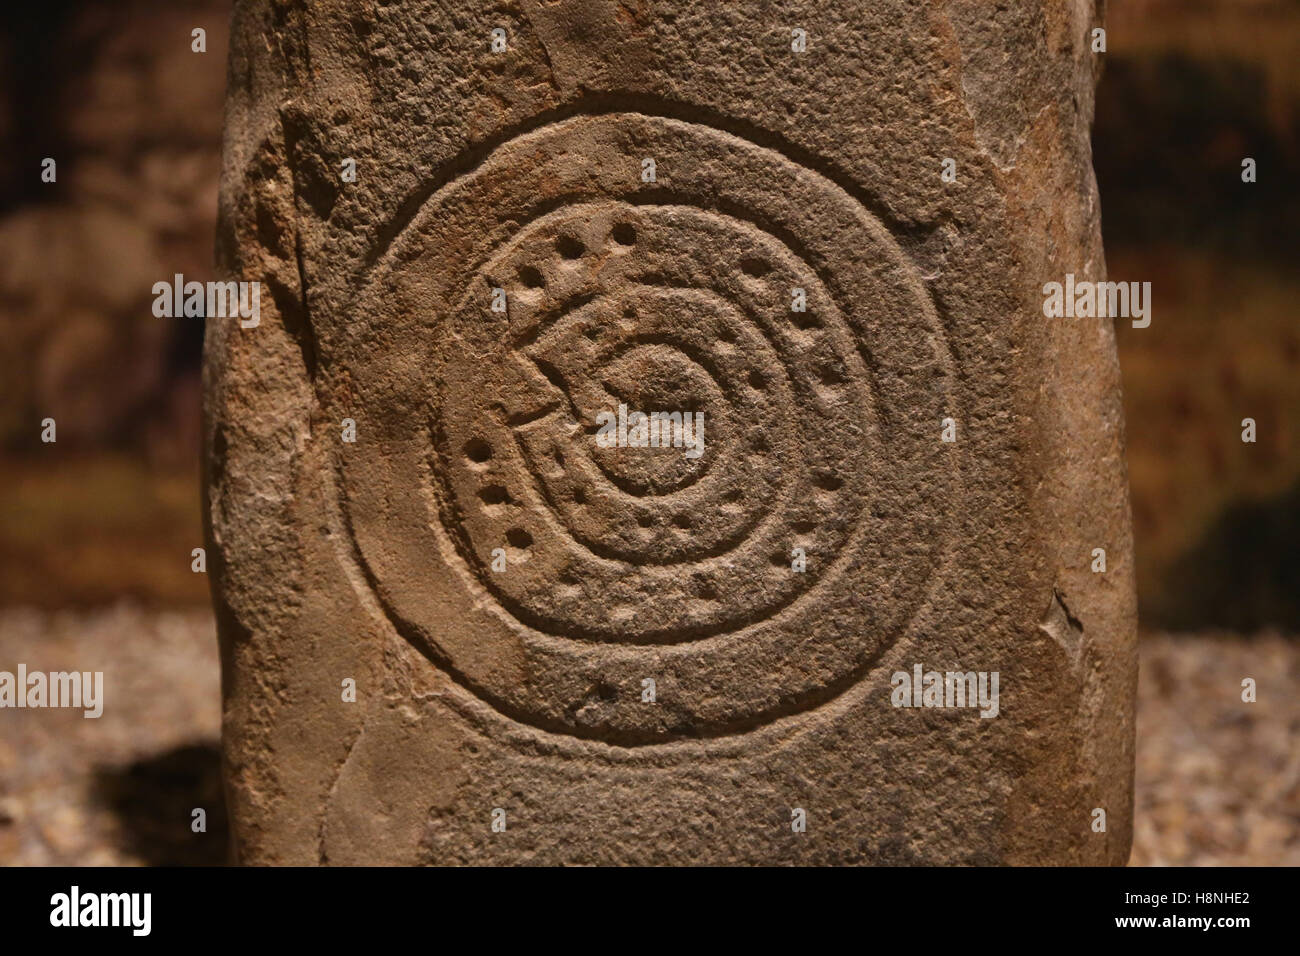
(118, 789)
(1218, 780)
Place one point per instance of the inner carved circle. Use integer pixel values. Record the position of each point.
(659, 544)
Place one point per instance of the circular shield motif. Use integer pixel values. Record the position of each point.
(756, 541)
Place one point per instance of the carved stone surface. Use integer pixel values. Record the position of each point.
(567, 652)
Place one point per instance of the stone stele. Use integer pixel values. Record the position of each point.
(458, 627)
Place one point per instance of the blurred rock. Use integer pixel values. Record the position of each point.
(80, 343)
(134, 122)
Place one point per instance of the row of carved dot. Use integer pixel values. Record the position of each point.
(500, 495)
(521, 539)
(571, 247)
(479, 452)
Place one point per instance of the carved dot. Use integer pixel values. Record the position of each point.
(682, 521)
(531, 277)
(756, 379)
(828, 482)
(754, 267)
(624, 234)
(569, 247)
(495, 495)
(478, 450)
(805, 320)
(579, 496)
(645, 521)
(518, 538)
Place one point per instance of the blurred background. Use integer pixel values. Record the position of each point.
(96, 530)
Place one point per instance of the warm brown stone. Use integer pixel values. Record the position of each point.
(520, 177)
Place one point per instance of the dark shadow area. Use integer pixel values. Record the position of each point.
(1169, 138)
(34, 70)
(154, 800)
(1243, 575)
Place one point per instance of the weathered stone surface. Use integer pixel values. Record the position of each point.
(522, 690)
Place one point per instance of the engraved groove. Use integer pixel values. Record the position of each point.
(613, 578)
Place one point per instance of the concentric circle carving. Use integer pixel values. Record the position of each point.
(479, 431)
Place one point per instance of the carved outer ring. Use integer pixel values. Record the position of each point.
(809, 652)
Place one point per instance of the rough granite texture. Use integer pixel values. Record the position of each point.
(521, 689)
